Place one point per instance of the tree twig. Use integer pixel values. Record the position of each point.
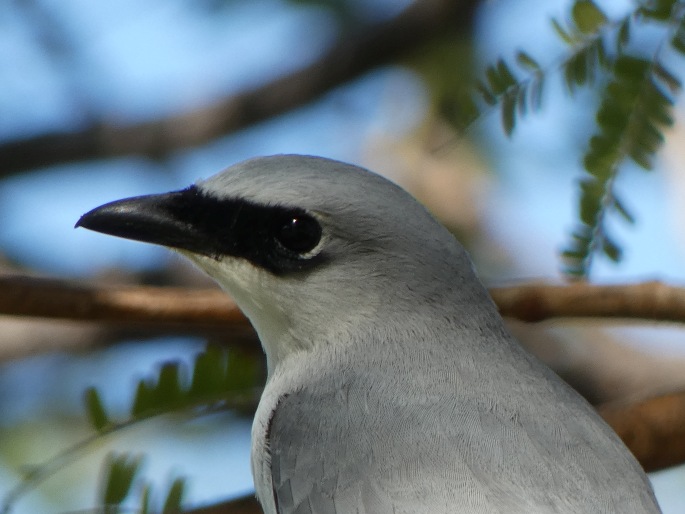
(378, 45)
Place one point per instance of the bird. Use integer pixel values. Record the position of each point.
(393, 386)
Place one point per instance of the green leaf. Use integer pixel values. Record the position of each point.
(144, 401)
(209, 373)
(572, 253)
(506, 76)
(623, 211)
(592, 192)
(172, 504)
(499, 77)
(587, 16)
(666, 77)
(611, 249)
(575, 71)
(145, 499)
(641, 157)
(243, 372)
(508, 114)
(169, 391)
(527, 62)
(489, 97)
(623, 35)
(597, 55)
(494, 81)
(563, 35)
(658, 10)
(95, 410)
(120, 470)
(678, 40)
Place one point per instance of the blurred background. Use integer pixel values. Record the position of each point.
(102, 100)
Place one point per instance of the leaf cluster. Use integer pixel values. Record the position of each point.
(638, 91)
(120, 473)
(217, 379)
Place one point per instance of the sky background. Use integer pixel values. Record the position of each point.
(138, 60)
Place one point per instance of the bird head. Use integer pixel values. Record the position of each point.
(306, 246)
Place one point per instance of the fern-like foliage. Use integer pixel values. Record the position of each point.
(637, 96)
(120, 474)
(218, 379)
(516, 97)
(635, 107)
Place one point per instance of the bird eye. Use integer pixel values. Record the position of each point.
(298, 232)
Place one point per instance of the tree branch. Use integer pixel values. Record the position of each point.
(646, 300)
(654, 429)
(23, 295)
(118, 312)
(211, 309)
(378, 45)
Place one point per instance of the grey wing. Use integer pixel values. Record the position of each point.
(357, 449)
(322, 460)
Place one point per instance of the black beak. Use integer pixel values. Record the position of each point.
(203, 224)
(177, 220)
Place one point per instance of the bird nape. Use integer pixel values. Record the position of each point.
(393, 386)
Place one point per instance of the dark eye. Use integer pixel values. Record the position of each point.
(298, 233)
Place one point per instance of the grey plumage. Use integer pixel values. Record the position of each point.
(393, 386)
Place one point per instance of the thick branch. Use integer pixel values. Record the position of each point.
(22, 295)
(646, 300)
(119, 313)
(206, 309)
(351, 57)
(654, 429)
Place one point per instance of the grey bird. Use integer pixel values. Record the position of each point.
(393, 385)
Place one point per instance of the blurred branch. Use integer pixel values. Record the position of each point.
(645, 300)
(23, 295)
(207, 309)
(654, 430)
(127, 311)
(378, 45)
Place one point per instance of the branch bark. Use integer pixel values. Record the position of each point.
(378, 45)
(162, 307)
(646, 300)
(211, 309)
(654, 429)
